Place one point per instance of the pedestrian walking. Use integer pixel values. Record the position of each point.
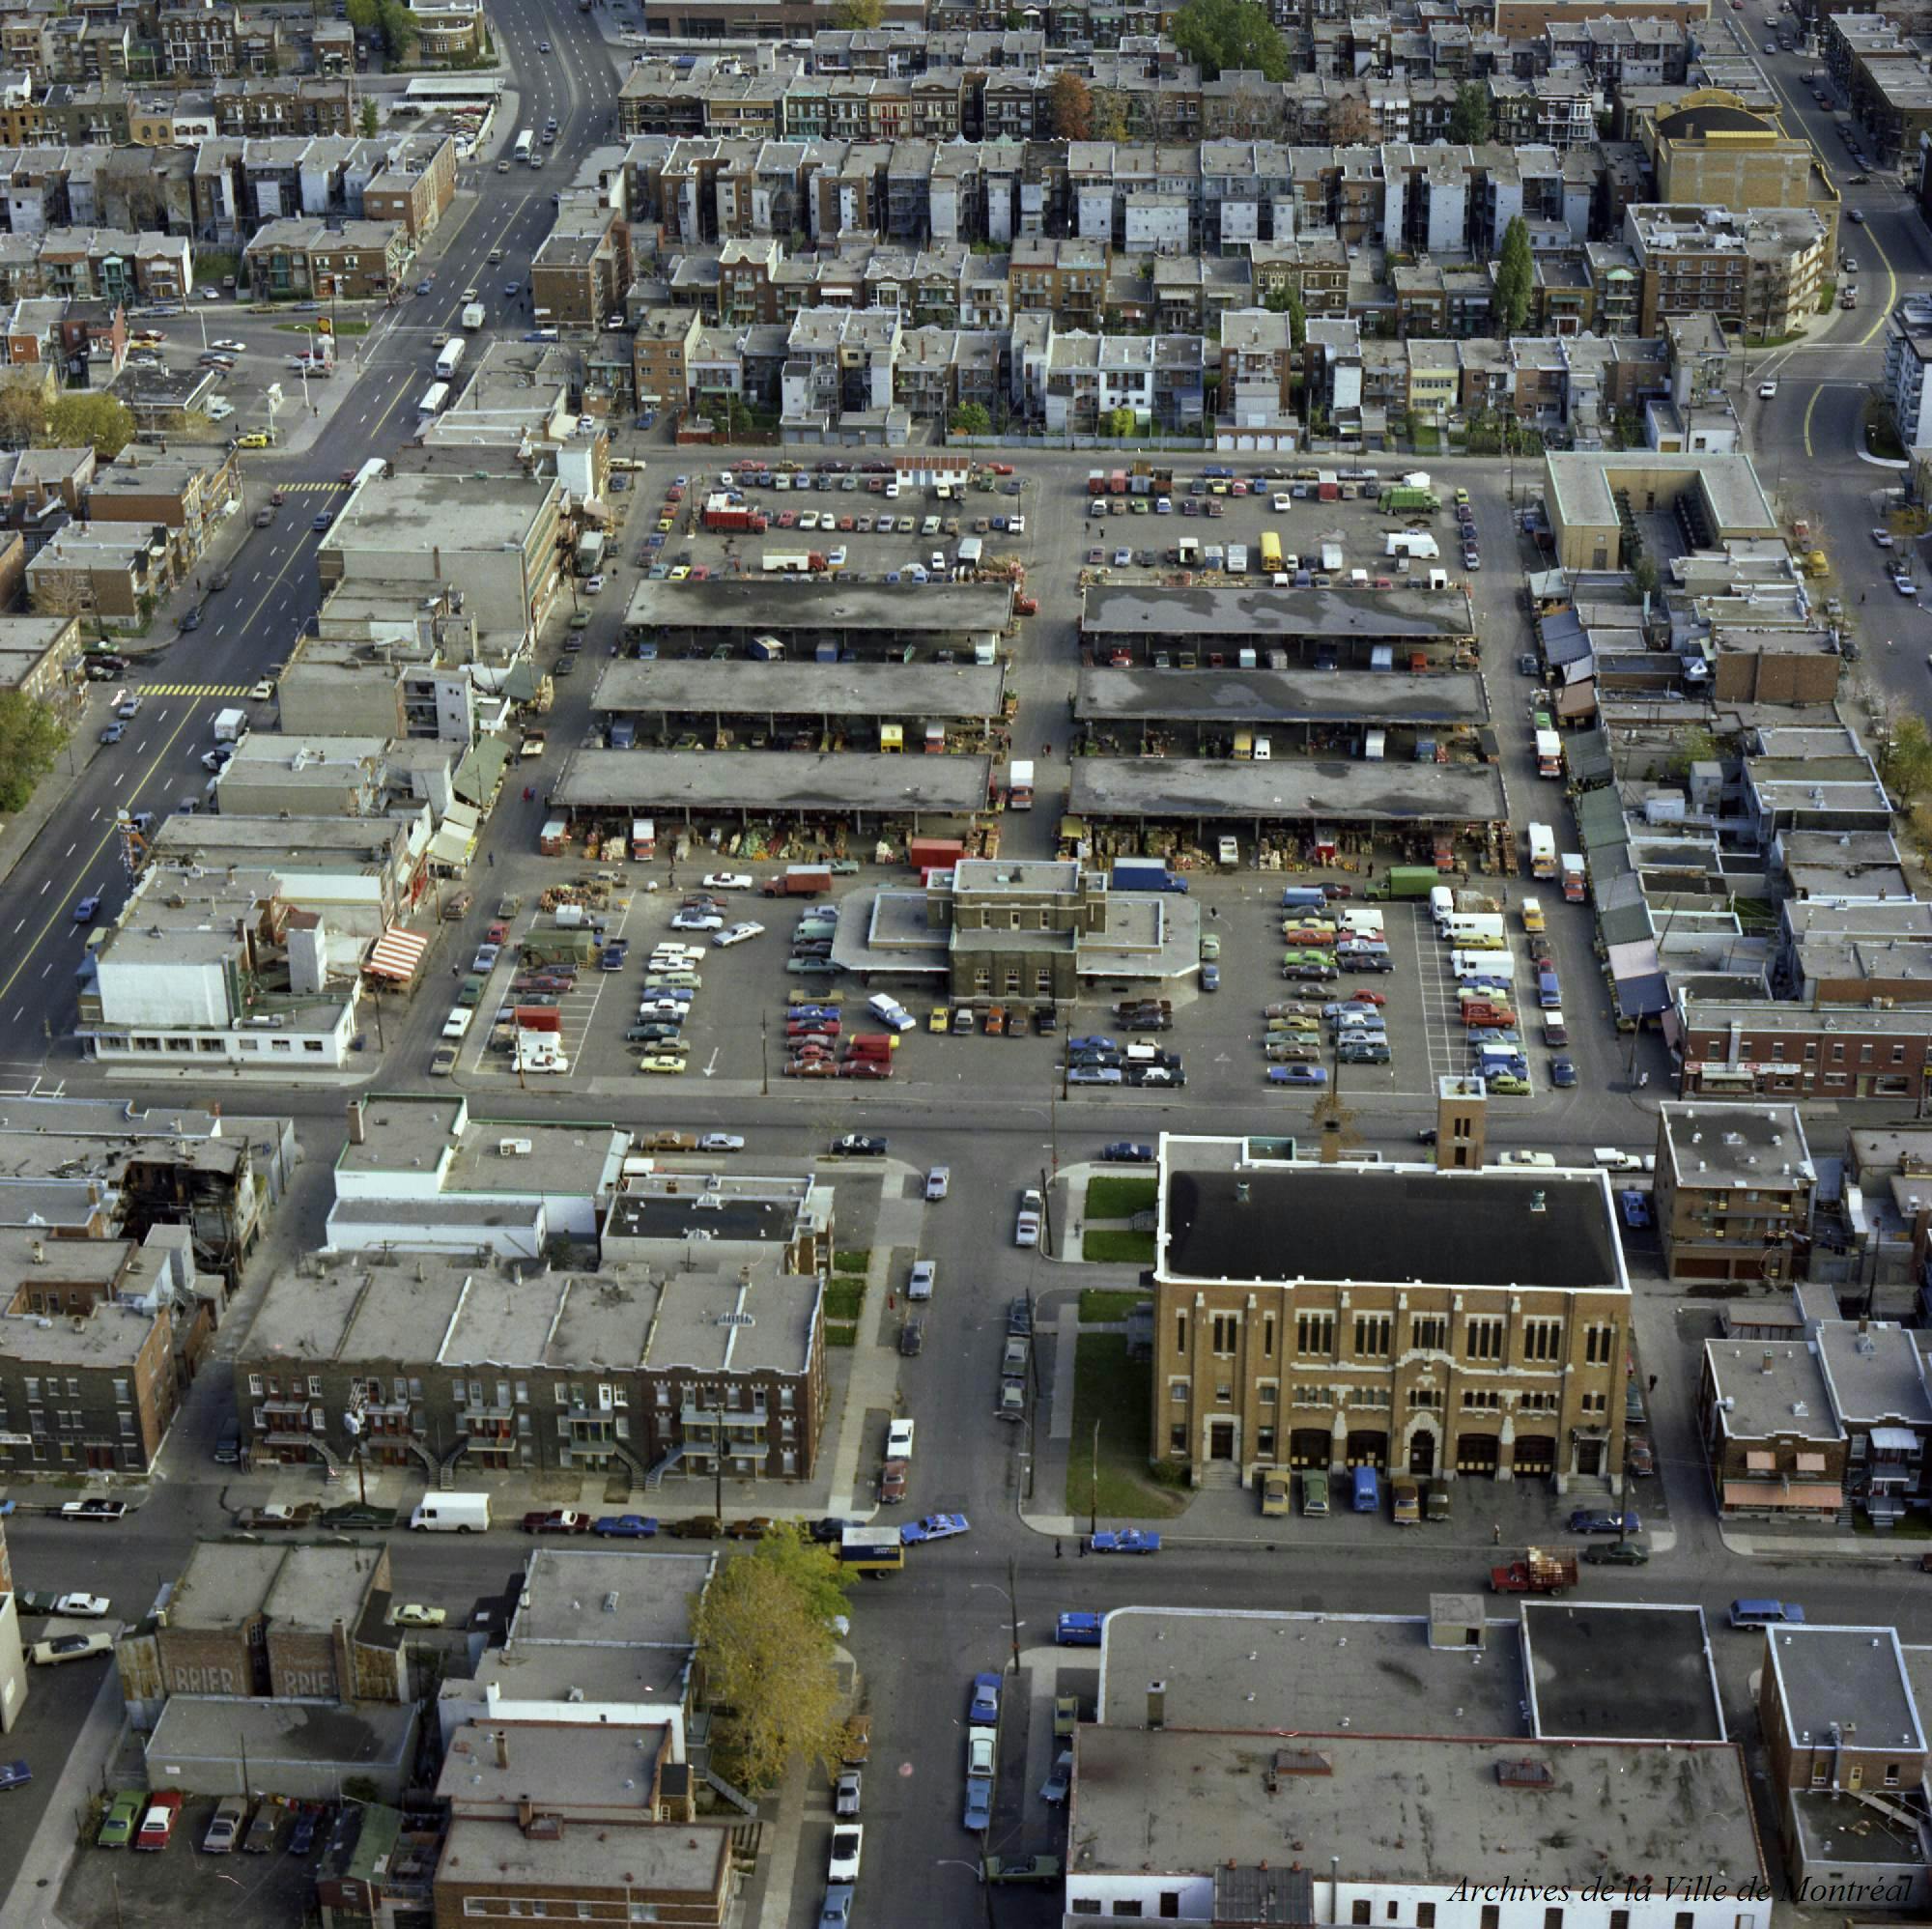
(1653, 1382)
(493, 860)
(1495, 1532)
(1057, 1549)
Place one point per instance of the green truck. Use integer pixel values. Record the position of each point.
(1405, 880)
(1403, 502)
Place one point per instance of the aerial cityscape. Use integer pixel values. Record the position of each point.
(606, 603)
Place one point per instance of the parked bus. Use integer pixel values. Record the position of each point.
(871, 1551)
(450, 359)
(525, 142)
(1270, 552)
(1542, 851)
(434, 397)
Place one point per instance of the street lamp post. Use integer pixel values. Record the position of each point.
(979, 1874)
(1011, 1594)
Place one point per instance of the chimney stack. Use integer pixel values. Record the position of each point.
(1156, 1705)
(356, 1134)
(502, 1737)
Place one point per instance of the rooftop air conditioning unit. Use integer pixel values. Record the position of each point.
(514, 1148)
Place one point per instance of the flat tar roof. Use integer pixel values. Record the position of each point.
(1282, 696)
(1301, 788)
(617, 1597)
(1236, 1669)
(1130, 610)
(771, 780)
(1618, 1671)
(1853, 1679)
(1392, 1224)
(788, 603)
(805, 689)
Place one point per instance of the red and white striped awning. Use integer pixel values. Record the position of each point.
(397, 953)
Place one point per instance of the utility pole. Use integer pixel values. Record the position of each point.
(1014, 1607)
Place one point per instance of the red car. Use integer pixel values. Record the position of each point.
(1002, 468)
(556, 1521)
(1366, 998)
(893, 1481)
(810, 1069)
(866, 1069)
(1479, 1017)
(158, 1824)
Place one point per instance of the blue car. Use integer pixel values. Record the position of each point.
(625, 1526)
(1124, 1541)
(1127, 1153)
(1600, 1520)
(1298, 1074)
(1211, 978)
(983, 1710)
(1092, 1044)
(934, 1527)
(1095, 1075)
(1562, 1073)
(979, 1815)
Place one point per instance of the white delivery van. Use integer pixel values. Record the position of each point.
(1441, 906)
(451, 1514)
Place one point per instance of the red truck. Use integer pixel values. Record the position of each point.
(1097, 482)
(800, 880)
(1537, 1572)
(1481, 1017)
(721, 513)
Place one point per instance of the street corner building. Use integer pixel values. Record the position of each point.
(1437, 1323)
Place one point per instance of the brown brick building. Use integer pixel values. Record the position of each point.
(291, 1622)
(1733, 1194)
(661, 348)
(415, 185)
(87, 1373)
(1774, 1447)
(428, 1362)
(1786, 1050)
(1291, 1329)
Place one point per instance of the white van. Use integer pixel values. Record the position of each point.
(451, 1514)
(1442, 904)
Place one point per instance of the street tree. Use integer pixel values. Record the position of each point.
(1069, 107)
(1905, 760)
(23, 411)
(1472, 120)
(370, 119)
(1107, 119)
(1228, 35)
(860, 15)
(31, 737)
(1352, 123)
(765, 1643)
(1285, 299)
(1515, 275)
(97, 418)
(971, 419)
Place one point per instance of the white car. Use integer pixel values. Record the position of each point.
(593, 585)
(1280, 505)
(1528, 1159)
(720, 1141)
(726, 880)
(738, 934)
(82, 1607)
(230, 348)
(1767, 389)
(982, 1748)
(847, 1839)
(1883, 538)
(899, 1440)
(1026, 1229)
(70, 1648)
(458, 1022)
(261, 691)
(414, 1615)
(697, 921)
(220, 409)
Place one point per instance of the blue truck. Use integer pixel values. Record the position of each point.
(1145, 874)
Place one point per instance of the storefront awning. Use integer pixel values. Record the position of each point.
(1894, 1439)
(1795, 1497)
(397, 953)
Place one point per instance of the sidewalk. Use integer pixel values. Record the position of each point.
(37, 1882)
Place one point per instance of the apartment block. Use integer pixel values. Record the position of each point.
(1733, 1193)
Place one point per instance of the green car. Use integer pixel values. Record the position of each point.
(1210, 946)
(472, 992)
(1022, 1868)
(1507, 1085)
(581, 621)
(116, 1830)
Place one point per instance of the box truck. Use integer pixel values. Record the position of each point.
(451, 1514)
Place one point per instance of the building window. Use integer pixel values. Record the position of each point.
(1314, 1333)
(1425, 1916)
(1892, 1775)
(1620, 1919)
(1177, 1438)
(1269, 1392)
(1264, 1443)
(1430, 1331)
(1372, 1335)
(1598, 1345)
(1224, 1393)
(1542, 1338)
(1177, 1390)
(1226, 1330)
(1483, 1340)
(1267, 1337)
(1181, 1332)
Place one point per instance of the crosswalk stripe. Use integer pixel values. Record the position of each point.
(310, 488)
(193, 689)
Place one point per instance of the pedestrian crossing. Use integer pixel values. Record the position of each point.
(328, 488)
(194, 689)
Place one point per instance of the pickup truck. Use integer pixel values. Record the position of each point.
(556, 1521)
(1537, 1572)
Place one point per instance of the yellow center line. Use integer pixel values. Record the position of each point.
(1890, 291)
(113, 831)
(1808, 406)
